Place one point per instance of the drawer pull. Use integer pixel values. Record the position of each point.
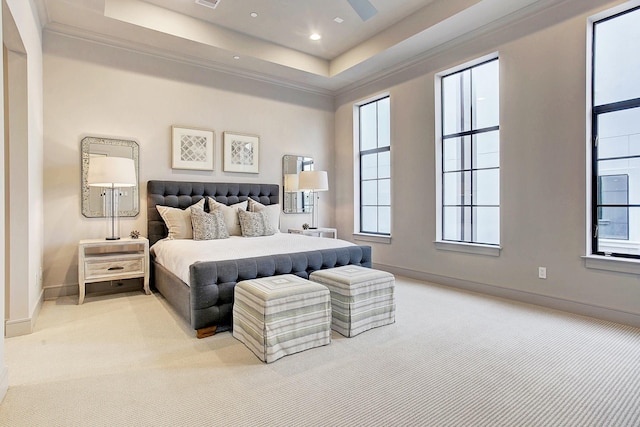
(115, 268)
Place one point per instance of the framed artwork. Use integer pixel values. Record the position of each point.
(192, 148)
(241, 152)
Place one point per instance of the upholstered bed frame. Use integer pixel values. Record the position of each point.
(207, 301)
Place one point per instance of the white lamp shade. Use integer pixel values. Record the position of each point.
(313, 180)
(111, 172)
(291, 182)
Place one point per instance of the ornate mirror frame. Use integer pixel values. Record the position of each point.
(92, 200)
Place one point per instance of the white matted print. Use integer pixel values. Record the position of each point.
(192, 148)
(241, 152)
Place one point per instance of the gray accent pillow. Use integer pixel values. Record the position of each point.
(254, 224)
(208, 226)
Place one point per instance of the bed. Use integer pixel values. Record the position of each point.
(203, 296)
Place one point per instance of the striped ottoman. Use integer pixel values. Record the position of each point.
(361, 298)
(280, 315)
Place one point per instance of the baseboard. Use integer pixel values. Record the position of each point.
(18, 327)
(4, 382)
(58, 291)
(598, 312)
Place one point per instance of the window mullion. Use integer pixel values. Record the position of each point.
(471, 132)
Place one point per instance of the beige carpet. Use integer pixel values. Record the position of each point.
(451, 359)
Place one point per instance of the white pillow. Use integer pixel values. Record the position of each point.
(178, 220)
(272, 211)
(230, 214)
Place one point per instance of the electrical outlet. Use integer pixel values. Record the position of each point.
(542, 272)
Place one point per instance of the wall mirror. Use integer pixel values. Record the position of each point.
(295, 201)
(92, 197)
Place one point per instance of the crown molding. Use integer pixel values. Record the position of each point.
(166, 54)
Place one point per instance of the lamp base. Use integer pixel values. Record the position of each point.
(312, 228)
(112, 238)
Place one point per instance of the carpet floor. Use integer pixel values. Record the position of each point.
(452, 358)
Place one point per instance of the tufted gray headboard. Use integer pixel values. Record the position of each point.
(179, 194)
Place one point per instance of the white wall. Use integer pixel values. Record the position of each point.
(25, 186)
(92, 89)
(23, 32)
(543, 138)
(4, 374)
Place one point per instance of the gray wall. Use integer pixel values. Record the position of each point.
(543, 123)
(92, 89)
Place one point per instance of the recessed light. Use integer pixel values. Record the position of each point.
(208, 3)
(315, 36)
(253, 14)
(338, 20)
(236, 57)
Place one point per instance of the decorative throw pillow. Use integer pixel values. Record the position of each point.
(230, 214)
(178, 221)
(208, 226)
(254, 224)
(273, 213)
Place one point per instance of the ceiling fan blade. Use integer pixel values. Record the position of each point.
(363, 8)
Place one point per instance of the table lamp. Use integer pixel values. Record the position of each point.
(313, 181)
(111, 173)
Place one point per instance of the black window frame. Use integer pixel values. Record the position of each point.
(596, 111)
(469, 133)
(361, 154)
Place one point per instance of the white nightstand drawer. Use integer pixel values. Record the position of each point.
(96, 269)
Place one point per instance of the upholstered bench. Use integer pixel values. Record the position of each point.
(281, 315)
(361, 298)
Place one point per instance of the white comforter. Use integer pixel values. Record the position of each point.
(178, 255)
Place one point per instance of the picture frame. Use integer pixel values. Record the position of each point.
(192, 148)
(241, 152)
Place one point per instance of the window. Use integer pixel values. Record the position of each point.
(613, 222)
(615, 151)
(470, 155)
(375, 166)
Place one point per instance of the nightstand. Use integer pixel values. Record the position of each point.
(101, 260)
(317, 232)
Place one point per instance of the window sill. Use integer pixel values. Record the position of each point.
(374, 238)
(620, 265)
(468, 248)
